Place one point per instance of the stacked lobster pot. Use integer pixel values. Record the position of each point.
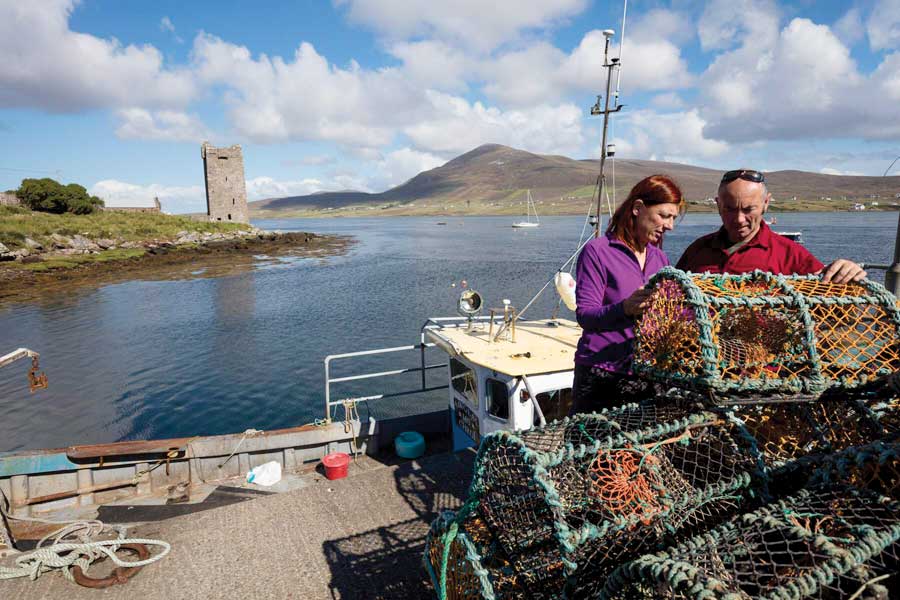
(554, 510)
(838, 537)
(784, 390)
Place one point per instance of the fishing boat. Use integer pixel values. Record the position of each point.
(529, 209)
(794, 236)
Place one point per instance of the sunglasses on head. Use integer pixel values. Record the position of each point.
(745, 174)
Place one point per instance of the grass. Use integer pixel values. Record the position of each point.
(17, 223)
(67, 262)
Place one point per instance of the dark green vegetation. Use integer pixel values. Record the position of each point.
(492, 179)
(48, 195)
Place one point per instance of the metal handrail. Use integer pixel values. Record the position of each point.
(423, 368)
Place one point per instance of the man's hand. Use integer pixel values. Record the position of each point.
(842, 271)
(635, 304)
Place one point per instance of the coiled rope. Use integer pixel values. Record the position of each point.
(63, 554)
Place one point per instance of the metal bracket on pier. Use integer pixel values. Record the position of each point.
(36, 381)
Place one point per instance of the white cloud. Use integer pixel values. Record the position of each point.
(138, 123)
(883, 25)
(472, 23)
(434, 64)
(849, 28)
(804, 84)
(262, 187)
(166, 24)
(274, 100)
(727, 23)
(830, 171)
(525, 77)
(401, 165)
(650, 61)
(677, 137)
(48, 66)
(311, 160)
(542, 73)
(458, 126)
(174, 199)
(668, 100)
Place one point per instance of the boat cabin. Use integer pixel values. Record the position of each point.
(516, 382)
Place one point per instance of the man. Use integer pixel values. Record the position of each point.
(745, 243)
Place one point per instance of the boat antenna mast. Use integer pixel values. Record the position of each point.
(610, 64)
(892, 276)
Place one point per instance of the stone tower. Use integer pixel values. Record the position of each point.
(226, 193)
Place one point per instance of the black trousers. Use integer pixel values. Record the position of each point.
(595, 389)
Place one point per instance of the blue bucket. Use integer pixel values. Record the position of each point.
(409, 444)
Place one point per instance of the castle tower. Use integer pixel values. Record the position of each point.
(226, 193)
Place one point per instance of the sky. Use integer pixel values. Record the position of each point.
(118, 95)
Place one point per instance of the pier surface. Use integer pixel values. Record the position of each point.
(359, 537)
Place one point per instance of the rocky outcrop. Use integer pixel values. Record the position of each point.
(81, 244)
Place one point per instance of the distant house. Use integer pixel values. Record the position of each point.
(9, 199)
(156, 208)
(859, 206)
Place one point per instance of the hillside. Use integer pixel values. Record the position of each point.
(491, 179)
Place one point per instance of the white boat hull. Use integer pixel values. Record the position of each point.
(525, 224)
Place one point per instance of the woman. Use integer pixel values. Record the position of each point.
(611, 273)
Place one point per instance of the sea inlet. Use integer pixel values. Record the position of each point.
(196, 354)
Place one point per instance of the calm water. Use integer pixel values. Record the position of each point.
(151, 359)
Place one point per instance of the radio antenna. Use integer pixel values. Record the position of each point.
(610, 64)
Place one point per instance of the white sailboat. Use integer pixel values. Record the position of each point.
(529, 207)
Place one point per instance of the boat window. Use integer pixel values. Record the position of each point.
(463, 380)
(555, 404)
(497, 398)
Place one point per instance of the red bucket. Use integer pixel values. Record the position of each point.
(336, 465)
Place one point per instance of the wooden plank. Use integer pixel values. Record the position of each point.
(162, 446)
(126, 448)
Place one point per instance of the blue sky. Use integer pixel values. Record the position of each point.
(363, 94)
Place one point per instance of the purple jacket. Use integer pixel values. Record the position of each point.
(607, 273)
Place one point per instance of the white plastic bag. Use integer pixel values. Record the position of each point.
(565, 286)
(265, 474)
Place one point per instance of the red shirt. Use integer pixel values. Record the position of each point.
(767, 251)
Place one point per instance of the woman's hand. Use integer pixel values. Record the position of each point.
(637, 303)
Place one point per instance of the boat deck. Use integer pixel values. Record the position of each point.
(358, 537)
(539, 347)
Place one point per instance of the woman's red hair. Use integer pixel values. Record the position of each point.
(653, 190)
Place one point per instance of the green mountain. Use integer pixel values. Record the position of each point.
(492, 179)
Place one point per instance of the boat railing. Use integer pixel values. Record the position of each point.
(423, 368)
(434, 323)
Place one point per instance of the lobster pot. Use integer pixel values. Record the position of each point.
(887, 412)
(785, 432)
(824, 542)
(476, 567)
(874, 467)
(457, 567)
(762, 333)
(594, 490)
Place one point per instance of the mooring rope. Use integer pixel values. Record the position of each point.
(65, 556)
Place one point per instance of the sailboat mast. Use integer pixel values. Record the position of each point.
(609, 64)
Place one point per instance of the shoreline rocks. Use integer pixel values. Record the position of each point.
(79, 244)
